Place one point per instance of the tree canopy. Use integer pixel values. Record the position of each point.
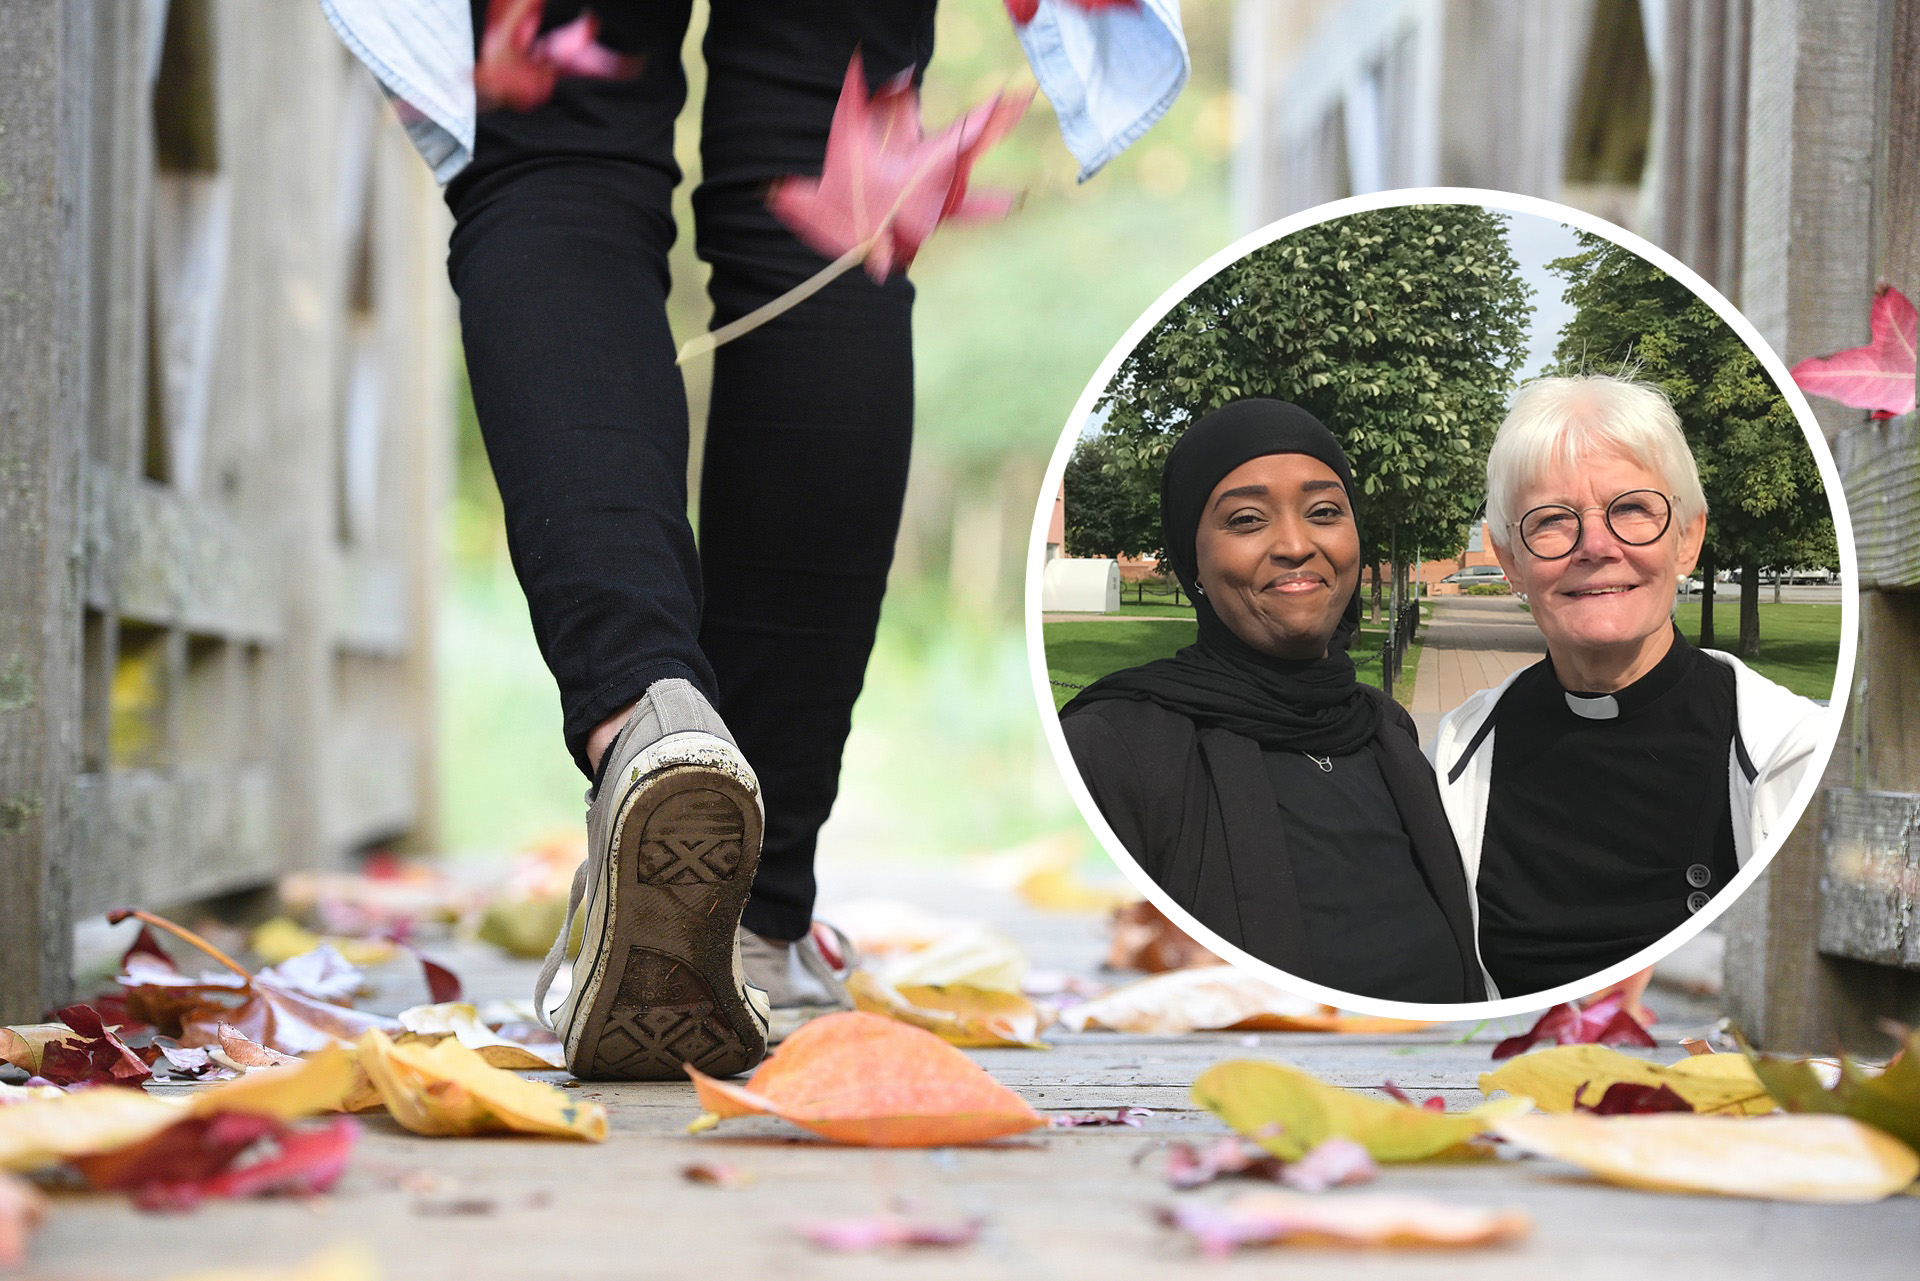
(1400, 329)
(1765, 501)
(1111, 511)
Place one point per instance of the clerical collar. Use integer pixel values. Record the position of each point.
(1664, 676)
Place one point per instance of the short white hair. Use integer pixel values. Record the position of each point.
(1563, 422)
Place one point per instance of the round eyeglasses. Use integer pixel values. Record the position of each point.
(1636, 518)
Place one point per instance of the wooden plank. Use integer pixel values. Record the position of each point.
(372, 610)
(45, 357)
(1870, 877)
(1879, 465)
(169, 835)
(158, 557)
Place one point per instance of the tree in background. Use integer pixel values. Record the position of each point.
(1111, 511)
(1400, 329)
(1765, 502)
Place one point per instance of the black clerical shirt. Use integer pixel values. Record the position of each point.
(1603, 832)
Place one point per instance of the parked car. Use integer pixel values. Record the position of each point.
(1477, 574)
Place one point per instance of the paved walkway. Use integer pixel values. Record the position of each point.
(1471, 643)
(1071, 1203)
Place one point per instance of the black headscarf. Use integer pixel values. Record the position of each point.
(1220, 681)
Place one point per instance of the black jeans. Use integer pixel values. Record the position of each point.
(559, 256)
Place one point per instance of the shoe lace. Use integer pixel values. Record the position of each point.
(586, 881)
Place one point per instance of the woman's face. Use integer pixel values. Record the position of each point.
(1278, 555)
(1605, 599)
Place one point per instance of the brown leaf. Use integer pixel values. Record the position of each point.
(1144, 939)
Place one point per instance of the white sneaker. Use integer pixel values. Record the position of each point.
(801, 980)
(673, 836)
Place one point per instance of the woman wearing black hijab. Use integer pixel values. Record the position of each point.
(1252, 775)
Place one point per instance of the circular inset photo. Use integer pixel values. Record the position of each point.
(1436, 599)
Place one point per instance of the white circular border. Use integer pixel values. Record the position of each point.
(1507, 202)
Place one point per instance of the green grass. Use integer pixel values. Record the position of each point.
(1799, 644)
(1082, 652)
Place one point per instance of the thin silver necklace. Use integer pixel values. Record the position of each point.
(1324, 762)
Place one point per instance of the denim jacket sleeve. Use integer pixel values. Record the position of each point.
(1110, 74)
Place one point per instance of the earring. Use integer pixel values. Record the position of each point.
(1198, 590)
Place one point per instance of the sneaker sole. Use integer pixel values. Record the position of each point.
(664, 991)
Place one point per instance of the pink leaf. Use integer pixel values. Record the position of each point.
(883, 186)
(518, 67)
(198, 1158)
(1119, 1116)
(1333, 1162)
(877, 1232)
(1878, 376)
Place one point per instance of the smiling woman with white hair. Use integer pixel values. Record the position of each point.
(1604, 795)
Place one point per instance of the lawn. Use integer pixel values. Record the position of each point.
(1079, 653)
(1799, 644)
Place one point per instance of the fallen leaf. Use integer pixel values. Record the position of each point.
(717, 1174)
(1366, 1219)
(518, 67)
(1119, 1116)
(322, 974)
(346, 1261)
(525, 927)
(24, 1045)
(1888, 1100)
(976, 958)
(445, 1088)
(1288, 1112)
(863, 1079)
(1434, 1103)
(443, 985)
(880, 1233)
(429, 1023)
(1711, 1084)
(883, 186)
(959, 1015)
(26, 1093)
(882, 927)
(22, 1209)
(1624, 1098)
(1781, 1158)
(1334, 1163)
(237, 1050)
(1604, 1022)
(1190, 1165)
(1212, 997)
(321, 1082)
(282, 938)
(198, 1158)
(190, 1062)
(39, 1132)
(1144, 939)
(93, 1055)
(1878, 376)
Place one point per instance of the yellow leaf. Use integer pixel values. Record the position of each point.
(445, 1088)
(347, 1261)
(41, 1132)
(970, 957)
(526, 926)
(1288, 1112)
(460, 1020)
(1714, 1084)
(1365, 1219)
(1780, 1158)
(964, 1016)
(24, 1046)
(283, 938)
(321, 1082)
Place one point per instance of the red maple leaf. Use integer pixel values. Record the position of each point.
(1022, 11)
(1878, 376)
(1628, 1098)
(1602, 1023)
(518, 67)
(884, 187)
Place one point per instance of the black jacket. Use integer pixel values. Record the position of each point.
(1197, 811)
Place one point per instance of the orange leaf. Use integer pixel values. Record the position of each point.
(863, 1079)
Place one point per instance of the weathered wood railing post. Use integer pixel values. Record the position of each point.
(44, 359)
